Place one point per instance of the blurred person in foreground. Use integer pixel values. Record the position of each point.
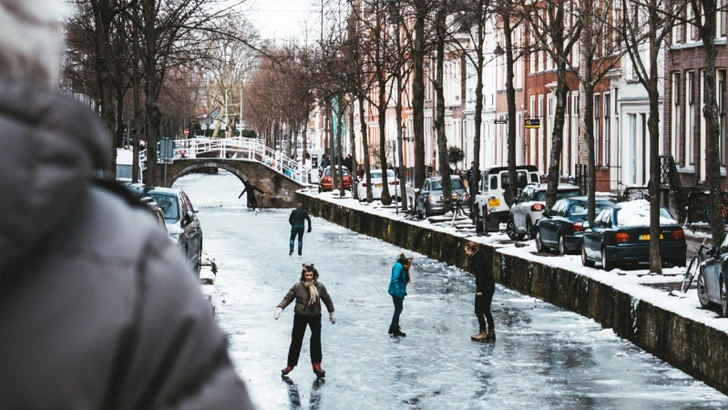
(98, 308)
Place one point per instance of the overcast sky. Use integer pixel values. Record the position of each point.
(283, 19)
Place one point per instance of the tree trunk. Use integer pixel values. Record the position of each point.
(418, 92)
(365, 145)
(511, 99)
(444, 166)
(557, 135)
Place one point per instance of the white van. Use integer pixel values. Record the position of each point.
(493, 199)
(124, 164)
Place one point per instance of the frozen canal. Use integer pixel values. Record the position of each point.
(544, 358)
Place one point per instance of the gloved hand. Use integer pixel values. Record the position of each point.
(332, 318)
(278, 313)
(309, 229)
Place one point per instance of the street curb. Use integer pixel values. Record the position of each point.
(691, 346)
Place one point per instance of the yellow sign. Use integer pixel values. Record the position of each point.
(533, 123)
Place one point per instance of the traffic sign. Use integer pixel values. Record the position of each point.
(533, 123)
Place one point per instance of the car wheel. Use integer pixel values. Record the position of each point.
(584, 260)
(723, 300)
(562, 245)
(606, 264)
(511, 230)
(539, 244)
(702, 291)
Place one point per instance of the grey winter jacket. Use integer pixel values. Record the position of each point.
(98, 308)
(300, 293)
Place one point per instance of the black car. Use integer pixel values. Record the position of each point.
(561, 228)
(621, 236)
(180, 218)
(713, 278)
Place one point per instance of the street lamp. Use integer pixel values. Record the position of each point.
(498, 50)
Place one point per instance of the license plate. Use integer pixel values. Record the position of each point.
(377, 185)
(494, 202)
(647, 237)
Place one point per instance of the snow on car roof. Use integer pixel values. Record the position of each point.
(637, 213)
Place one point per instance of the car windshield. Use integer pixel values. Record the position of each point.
(338, 172)
(637, 213)
(437, 184)
(567, 194)
(580, 208)
(169, 205)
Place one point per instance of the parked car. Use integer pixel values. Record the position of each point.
(326, 181)
(713, 278)
(561, 228)
(180, 219)
(493, 199)
(156, 210)
(430, 200)
(529, 205)
(621, 236)
(377, 187)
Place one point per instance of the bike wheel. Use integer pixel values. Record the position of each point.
(690, 274)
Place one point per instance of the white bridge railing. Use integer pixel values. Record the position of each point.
(243, 149)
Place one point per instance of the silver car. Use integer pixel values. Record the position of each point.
(430, 200)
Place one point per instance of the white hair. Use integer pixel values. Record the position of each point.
(31, 38)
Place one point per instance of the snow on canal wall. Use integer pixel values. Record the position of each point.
(690, 344)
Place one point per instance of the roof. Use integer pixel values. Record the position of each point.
(493, 170)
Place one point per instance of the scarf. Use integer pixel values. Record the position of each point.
(312, 291)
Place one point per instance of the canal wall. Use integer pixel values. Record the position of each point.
(688, 344)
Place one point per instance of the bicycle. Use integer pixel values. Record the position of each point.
(693, 267)
(723, 209)
(458, 209)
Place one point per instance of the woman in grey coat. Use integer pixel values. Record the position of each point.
(308, 293)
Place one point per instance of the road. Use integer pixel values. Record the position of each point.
(544, 358)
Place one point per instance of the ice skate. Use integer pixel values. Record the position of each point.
(286, 370)
(318, 370)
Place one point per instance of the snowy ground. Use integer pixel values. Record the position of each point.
(658, 289)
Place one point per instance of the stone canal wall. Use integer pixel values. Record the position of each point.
(692, 346)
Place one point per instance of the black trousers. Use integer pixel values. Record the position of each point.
(482, 309)
(299, 329)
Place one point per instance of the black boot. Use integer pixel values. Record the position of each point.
(391, 329)
(398, 332)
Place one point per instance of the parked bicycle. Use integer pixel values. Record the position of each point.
(694, 267)
(458, 209)
(723, 209)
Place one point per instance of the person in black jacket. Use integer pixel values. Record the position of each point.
(298, 220)
(485, 288)
(252, 200)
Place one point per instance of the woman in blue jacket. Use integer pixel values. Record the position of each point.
(398, 290)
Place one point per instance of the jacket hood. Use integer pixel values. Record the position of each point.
(51, 146)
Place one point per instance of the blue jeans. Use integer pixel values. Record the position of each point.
(398, 306)
(297, 230)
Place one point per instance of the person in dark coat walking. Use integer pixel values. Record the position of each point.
(252, 200)
(98, 308)
(298, 220)
(398, 290)
(482, 268)
(308, 293)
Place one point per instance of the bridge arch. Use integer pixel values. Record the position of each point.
(279, 189)
(197, 167)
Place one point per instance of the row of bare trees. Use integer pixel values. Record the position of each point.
(148, 54)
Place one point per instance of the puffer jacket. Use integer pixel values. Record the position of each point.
(398, 282)
(98, 308)
(299, 292)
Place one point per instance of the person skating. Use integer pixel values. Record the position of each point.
(250, 189)
(398, 290)
(308, 293)
(298, 219)
(484, 290)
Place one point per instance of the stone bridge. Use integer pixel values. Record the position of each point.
(279, 189)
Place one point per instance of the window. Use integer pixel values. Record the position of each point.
(720, 19)
(721, 114)
(597, 129)
(607, 128)
(692, 31)
(675, 125)
(690, 118)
